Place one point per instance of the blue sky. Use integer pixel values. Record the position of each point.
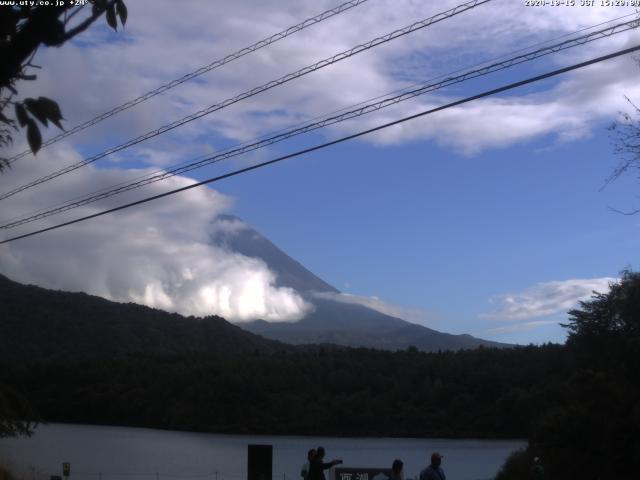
(486, 219)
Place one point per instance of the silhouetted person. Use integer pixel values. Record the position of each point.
(433, 471)
(537, 470)
(396, 470)
(317, 465)
(304, 473)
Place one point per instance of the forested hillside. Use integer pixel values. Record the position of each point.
(41, 324)
(482, 393)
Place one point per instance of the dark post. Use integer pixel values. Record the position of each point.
(260, 462)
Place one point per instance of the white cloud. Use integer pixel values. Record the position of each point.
(409, 314)
(544, 299)
(161, 44)
(158, 255)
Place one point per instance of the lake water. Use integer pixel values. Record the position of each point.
(122, 453)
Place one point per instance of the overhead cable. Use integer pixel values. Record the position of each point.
(331, 120)
(254, 91)
(200, 71)
(333, 142)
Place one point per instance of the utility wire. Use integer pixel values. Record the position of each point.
(254, 91)
(200, 71)
(346, 115)
(335, 112)
(334, 142)
(343, 109)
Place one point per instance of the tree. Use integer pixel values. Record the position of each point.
(625, 136)
(23, 29)
(612, 314)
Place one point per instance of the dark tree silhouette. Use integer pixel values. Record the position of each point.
(23, 29)
(616, 313)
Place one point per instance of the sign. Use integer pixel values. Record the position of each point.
(66, 469)
(259, 462)
(364, 473)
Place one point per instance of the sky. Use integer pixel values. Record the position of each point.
(492, 218)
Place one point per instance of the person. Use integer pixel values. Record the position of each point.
(304, 472)
(434, 470)
(396, 470)
(317, 466)
(537, 470)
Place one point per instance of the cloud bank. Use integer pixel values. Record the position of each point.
(544, 299)
(158, 255)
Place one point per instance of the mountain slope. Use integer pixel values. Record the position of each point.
(332, 321)
(41, 324)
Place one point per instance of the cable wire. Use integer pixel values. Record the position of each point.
(254, 91)
(331, 120)
(200, 71)
(333, 142)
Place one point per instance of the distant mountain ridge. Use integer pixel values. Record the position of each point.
(331, 321)
(41, 324)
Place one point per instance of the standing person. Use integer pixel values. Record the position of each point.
(304, 472)
(396, 470)
(317, 466)
(433, 471)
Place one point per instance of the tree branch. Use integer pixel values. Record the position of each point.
(69, 34)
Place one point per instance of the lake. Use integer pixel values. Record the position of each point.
(123, 453)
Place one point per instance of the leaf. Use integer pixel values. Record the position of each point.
(36, 110)
(44, 109)
(111, 17)
(21, 114)
(51, 110)
(121, 10)
(33, 136)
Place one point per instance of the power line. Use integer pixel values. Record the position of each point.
(254, 91)
(334, 142)
(200, 71)
(331, 120)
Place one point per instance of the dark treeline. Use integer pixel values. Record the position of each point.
(481, 393)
